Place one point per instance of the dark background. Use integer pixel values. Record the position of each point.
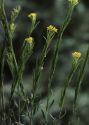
(76, 38)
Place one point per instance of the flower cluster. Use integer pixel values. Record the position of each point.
(29, 39)
(52, 28)
(76, 55)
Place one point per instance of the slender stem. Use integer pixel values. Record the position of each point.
(2, 58)
(19, 103)
(18, 79)
(39, 65)
(81, 76)
(56, 50)
(9, 46)
(66, 84)
(58, 45)
(21, 65)
(29, 114)
(5, 25)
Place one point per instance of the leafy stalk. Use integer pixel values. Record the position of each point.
(56, 52)
(25, 55)
(26, 52)
(57, 49)
(40, 63)
(51, 30)
(10, 56)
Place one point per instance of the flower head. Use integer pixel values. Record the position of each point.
(73, 2)
(29, 39)
(52, 28)
(33, 16)
(76, 55)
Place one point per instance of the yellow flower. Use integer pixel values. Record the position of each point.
(73, 2)
(29, 39)
(76, 55)
(52, 28)
(33, 16)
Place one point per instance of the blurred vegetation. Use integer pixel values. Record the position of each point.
(76, 37)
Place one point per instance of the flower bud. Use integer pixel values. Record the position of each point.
(74, 2)
(33, 17)
(52, 28)
(76, 55)
(29, 39)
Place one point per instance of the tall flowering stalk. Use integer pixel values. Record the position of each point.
(26, 52)
(57, 49)
(9, 28)
(51, 30)
(72, 4)
(75, 63)
(10, 56)
(80, 77)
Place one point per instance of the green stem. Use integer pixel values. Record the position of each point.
(18, 79)
(58, 45)
(9, 49)
(2, 58)
(81, 76)
(56, 52)
(5, 25)
(19, 104)
(39, 65)
(66, 84)
(9, 46)
(21, 66)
